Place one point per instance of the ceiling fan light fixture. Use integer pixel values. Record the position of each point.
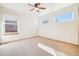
(37, 7)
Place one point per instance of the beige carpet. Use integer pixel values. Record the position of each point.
(29, 47)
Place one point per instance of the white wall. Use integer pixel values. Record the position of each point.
(27, 25)
(0, 23)
(66, 32)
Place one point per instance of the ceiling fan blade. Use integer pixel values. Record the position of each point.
(42, 8)
(32, 9)
(30, 5)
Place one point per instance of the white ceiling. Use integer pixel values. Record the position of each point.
(24, 8)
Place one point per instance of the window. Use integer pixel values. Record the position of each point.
(64, 17)
(44, 19)
(10, 25)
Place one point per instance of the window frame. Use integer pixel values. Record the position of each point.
(64, 21)
(4, 17)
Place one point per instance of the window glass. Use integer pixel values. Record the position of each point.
(64, 17)
(10, 24)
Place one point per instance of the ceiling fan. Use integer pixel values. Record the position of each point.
(36, 7)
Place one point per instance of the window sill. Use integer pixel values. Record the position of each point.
(10, 33)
